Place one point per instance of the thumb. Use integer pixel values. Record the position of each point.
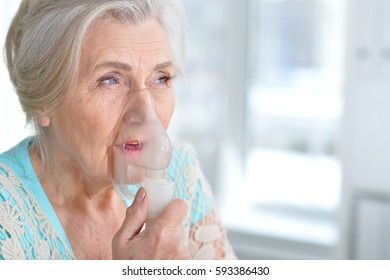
(136, 215)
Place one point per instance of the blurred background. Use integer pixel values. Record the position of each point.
(286, 103)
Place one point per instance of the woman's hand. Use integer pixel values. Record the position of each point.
(162, 238)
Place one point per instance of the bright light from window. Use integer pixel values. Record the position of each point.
(295, 102)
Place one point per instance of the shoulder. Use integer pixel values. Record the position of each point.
(17, 157)
(7, 178)
(192, 185)
(26, 232)
(11, 173)
(16, 173)
(186, 172)
(183, 166)
(184, 163)
(12, 190)
(13, 216)
(183, 154)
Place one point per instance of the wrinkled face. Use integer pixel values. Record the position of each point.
(121, 64)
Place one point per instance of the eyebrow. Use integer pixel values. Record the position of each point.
(127, 67)
(163, 65)
(115, 64)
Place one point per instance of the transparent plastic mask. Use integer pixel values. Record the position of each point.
(141, 144)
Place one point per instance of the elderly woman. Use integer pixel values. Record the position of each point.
(74, 65)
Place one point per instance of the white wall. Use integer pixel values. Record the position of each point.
(366, 139)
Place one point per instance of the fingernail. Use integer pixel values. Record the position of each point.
(140, 196)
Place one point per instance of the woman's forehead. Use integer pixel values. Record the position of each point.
(144, 45)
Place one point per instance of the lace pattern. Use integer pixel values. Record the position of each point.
(27, 233)
(25, 230)
(205, 235)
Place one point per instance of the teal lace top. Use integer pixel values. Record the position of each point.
(30, 228)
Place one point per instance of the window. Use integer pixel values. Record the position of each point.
(294, 102)
(202, 94)
(270, 109)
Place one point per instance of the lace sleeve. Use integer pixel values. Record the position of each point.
(205, 236)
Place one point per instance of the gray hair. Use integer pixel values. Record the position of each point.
(44, 42)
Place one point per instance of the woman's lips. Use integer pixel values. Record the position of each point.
(132, 145)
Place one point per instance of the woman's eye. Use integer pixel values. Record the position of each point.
(109, 81)
(163, 80)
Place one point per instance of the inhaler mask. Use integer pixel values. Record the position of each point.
(142, 150)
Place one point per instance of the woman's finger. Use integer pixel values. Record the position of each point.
(135, 216)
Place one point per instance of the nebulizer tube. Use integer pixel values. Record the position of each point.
(142, 150)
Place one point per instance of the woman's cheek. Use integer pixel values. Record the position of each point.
(165, 111)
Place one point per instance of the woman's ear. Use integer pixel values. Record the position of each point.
(43, 117)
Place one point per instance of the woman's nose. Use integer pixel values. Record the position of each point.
(140, 109)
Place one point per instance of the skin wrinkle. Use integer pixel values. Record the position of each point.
(138, 44)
